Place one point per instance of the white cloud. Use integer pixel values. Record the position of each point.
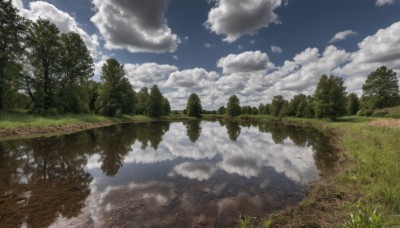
(135, 25)
(175, 57)
(276, 49)
(234, 18)
(196, 170)
(376, 50)
(254, 79)
(384, 2)
(245, 62)
(148, 74)
(342, 35)
(63, 20)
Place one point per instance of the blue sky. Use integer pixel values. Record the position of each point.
(255, 49)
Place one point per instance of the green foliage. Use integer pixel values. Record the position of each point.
(365, 217)
(76, 70)
(380, 113)
(193, 106)
(330, 98)
(143, 98)
(221, 110)
(298, 106)
(155, 105)
(278, 102)
(233, 106)
(12, 29)
(353, 104)
(245, 222)
(365, 112)
(381, 89)
(43, 41)
(267, 109)
(261, 109)
(115, 92)
(166, 107)
(266, 223)
(93, 92)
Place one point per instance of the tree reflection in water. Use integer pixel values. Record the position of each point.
(193, 130)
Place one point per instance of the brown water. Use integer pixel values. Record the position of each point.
(190, 174)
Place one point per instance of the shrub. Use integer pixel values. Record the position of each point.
(365, 112)
(380, 113)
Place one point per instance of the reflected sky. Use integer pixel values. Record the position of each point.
(159, 174)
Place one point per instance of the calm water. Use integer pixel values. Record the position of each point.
(158, 174)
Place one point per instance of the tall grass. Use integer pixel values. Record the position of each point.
(22, 120)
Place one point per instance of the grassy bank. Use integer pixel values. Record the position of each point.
(366, 183)
(20, 124)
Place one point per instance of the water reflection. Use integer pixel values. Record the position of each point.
(158, 174)
(193, 130)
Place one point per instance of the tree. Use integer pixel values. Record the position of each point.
(155, 107)
(166, 107)
(43, 42)
(297, 105)
(142, 97)
(221, 110)
(353, 104)
(193, 106)
(277, 104)
(76, 70)
(12, 28)
(233, 106)
(116, 95)
(330, 98)
(261, 109)
(381, 89)
(267, 109)
(93, 90)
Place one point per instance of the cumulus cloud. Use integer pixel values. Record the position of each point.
(63, 20)
(148, 74)
(276, 49)
(384, 2)
(234, 18)
(245, 62)
(254, 79)
(196, 170)
(135, 25)
(376, 50)
(342, 35)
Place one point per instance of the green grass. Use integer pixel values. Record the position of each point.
(376, 167)
(22, 120)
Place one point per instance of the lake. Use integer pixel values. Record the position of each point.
(159, 174)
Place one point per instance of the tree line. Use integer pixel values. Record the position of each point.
(49, 72)
(330, 100)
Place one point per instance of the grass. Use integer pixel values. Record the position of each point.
(368, 171)
(22, 120)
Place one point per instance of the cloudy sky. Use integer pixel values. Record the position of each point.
(255, 49)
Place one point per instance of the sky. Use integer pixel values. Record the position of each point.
(255, 49)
